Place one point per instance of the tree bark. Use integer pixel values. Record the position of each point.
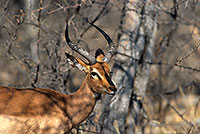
(131, 68)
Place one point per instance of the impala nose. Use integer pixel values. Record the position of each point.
(113, 90)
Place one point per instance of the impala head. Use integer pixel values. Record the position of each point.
(98, 69)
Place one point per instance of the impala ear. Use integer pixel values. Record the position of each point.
(78, 63)
(99, 55)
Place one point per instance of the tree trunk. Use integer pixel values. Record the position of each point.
(131, 68)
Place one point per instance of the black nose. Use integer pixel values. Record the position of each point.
(113, 89)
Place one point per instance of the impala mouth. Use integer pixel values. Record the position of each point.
(113, 91)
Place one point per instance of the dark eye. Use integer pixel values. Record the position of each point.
(94, 74)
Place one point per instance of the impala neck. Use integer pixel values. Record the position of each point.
(81, 103)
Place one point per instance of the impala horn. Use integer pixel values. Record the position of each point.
(84, 53)
(112, 49)
(77, 49)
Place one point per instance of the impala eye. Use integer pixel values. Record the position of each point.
(94, 74)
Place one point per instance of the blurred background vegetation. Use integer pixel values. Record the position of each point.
(32, 47)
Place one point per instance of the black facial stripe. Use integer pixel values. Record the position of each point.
(99, 77)
(109, 79)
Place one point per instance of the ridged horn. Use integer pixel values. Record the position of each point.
(112, 48)
(77, 49)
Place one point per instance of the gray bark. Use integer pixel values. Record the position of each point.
(32, 30)
(131, 76)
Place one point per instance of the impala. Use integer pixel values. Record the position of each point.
(45, 111)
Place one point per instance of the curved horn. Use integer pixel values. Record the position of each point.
(112, 48)
(79, 50)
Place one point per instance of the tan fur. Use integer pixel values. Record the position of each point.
(100, 57)
(102, 68)
(30, 125)
(43, 110)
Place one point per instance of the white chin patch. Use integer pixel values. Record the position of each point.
(111, 93)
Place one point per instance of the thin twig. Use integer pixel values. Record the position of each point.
(162, 63)
(10, 21)
(96, 18)
(177, 112)
(60, 7)
(114, 97)
(189, 54)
